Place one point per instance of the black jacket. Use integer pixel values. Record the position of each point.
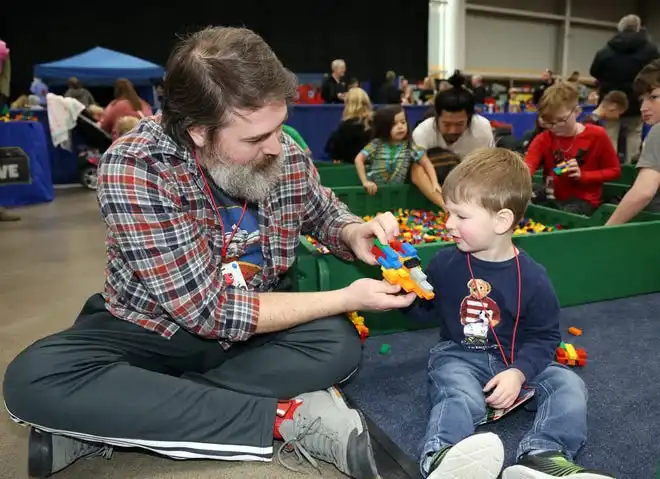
(617, 64)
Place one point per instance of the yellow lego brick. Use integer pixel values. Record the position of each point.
(571, 353)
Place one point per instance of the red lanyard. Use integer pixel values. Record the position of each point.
(483, 306)
(207, 187)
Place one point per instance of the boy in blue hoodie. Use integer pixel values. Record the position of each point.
(500, 327)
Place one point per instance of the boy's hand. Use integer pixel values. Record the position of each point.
(505, 388)
(573, 169)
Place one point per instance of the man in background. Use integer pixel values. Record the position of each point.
(615, 67)
(333, 89)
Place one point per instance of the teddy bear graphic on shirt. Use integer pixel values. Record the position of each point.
(478, 313)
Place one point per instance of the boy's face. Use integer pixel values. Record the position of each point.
(473, 228)
(562, 122)
(651, 107)
(610, 111)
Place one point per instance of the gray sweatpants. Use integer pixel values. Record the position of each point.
(112, 381)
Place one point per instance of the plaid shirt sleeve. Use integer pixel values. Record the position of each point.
(166, 250)
(325, 216)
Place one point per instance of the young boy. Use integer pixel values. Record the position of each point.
(577, 158)
(645, 191)
(614, 104)
(500, 328)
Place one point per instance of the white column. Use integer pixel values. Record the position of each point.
(566, 39)
(446, 44)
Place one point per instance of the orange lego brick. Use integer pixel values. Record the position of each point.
(582, 357)
(575, 331)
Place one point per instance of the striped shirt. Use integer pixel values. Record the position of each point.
(164, 239)
(389, 163)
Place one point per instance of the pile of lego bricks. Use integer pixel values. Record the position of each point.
(421, 226)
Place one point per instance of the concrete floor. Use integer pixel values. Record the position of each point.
(50, 262)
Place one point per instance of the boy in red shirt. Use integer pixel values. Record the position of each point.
(576, 158)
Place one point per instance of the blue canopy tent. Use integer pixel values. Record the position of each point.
(99, 67)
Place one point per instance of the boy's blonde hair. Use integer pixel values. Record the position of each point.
(126, 124)
(562, 94)
(493, 178)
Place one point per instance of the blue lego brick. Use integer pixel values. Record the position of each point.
(391, 259)
(409, 250)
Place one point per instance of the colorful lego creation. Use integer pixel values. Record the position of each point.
(358, 321)
(561, 168)
(568, 355)
(401, 265)
(575, 331)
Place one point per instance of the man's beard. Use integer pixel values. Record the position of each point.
(252, 181)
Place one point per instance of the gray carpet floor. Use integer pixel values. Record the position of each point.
(622, 375)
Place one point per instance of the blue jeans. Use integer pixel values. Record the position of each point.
(456, 381)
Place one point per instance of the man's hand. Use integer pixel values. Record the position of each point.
(372, 295)
(573, 169)
(360, 236)
(505, 388)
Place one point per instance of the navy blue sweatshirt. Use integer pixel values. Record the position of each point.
(464, 306)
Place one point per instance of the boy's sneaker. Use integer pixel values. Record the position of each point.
(548, 465)
(477, 457)
(323, 427)
(49, 453)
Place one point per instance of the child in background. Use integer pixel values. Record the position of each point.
(124, 125)
(500, 327)
(645, 191)
(614, 104)
(585, 150)
(388, 157)
(96, 112)
(355, 130)
(297, 137)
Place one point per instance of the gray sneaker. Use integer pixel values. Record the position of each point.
(324, 427)
(49, 453)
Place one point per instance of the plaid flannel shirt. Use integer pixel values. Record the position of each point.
(164, 238)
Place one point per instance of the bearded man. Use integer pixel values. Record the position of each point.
(196, 349)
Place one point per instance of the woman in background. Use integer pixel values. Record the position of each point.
(126, 103)
(354, 132)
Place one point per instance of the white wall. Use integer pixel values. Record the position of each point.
(523, 38)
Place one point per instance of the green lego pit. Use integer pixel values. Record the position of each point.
(586, 261)
(342, 175)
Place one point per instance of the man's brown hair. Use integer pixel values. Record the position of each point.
(215, 72)
(493, 178)
(617, 98)
(648, 79)
(561, 94)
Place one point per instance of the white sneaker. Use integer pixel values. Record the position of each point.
(479, 456)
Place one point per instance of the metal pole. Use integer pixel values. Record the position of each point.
(566, 42)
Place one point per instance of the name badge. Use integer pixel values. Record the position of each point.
(233, 276)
